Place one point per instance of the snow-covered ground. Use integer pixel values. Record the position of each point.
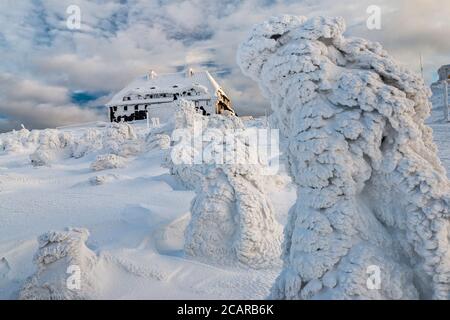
(136, 216)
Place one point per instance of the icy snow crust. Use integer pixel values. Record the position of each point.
(232, 218)
(371, 189)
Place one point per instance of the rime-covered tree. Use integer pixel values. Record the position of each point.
(371, 189)
(232, 218)
(61, 253)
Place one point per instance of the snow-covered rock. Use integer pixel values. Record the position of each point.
(64, 264)
(232, 218)
(108, 161)
(372, 194)
(102, 179)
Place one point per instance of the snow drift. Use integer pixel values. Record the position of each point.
(372, 194)
(232, 218)
(61, 254)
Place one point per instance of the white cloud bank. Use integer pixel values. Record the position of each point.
(122, 39)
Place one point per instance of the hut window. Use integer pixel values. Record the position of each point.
(125, 108)
(136, 107)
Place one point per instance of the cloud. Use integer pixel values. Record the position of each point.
(120, 40)
(36, 105)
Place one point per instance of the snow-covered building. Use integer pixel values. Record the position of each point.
(444, 72)
(440, 89)
(155, 94)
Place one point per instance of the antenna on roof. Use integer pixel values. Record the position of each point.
(265, 117)
(421, 65)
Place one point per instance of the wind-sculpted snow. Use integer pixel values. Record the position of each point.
(64, 265)
(232, 218)
(373, 198)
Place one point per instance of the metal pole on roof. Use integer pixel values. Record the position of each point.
(265, 116)
(421, 65)
(445, 83)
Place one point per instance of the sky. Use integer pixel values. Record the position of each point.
(51, 75)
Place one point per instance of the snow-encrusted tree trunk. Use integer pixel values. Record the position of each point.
(372, 194)
(232, 218)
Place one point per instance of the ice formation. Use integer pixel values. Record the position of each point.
(64, 265)
(372, 194)
(232, 219)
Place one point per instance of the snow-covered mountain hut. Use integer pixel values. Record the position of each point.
(440, 112)
(155, 95)
(444, 72)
